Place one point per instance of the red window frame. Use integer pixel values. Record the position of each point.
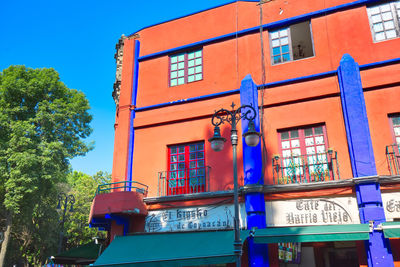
(186, 169)
(309, 154)
(192, 69)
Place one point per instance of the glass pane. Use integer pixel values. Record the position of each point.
(181, 81)
(181, 57)
(380, 36)
(276, 51)
(198, 69)
(389, 25)
(192, 156)
(398, 140)
(190, 55)
(173, 158)
(391, 34)
(181, 73)
(378, 27)
(318, 130)
(181, 149)
(192, 164)
(396, 120)
(200, 163)
(190, 78)
(385, 7)
(286, 57)
(284, 41)
(174, 59)
(174, 74)
(181, 166)
(309, 141)
(192, 173)
(181, 65)
(200, 155)
(284, 135)
(200, 171)
(275, 43)
(376, 18)
(285, 49)
(198, 53)
(274, 35)
(181, 182)
(173, 150)
(201, 146)
(277, 59)
(283, 32)
(174, 66)
(310, 150)
(320, 149)
(198, 61)
(192, 148)
(387, 16)
(319, 140)
(374, 10)
(172, 183)
(172, 175)
(397, 131)
(285, 144)
(174, 82)
(173, 167)
(199, 77)
(296, 152)
(294, 134)
(191, 63)
(190, 71)
(296, 143)
(286, 153)
(308, 132)
(181, 157)
(181, 174)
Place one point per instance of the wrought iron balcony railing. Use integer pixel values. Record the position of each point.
(393, 158)
(184, 181)
(123, 186)
(318, 167)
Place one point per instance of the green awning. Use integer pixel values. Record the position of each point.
(391, 229)
(170, 249)
(82, 255)
(325, 233)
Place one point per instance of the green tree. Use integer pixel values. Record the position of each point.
(42, 126)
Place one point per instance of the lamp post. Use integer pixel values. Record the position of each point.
(252, 138)
(64, 201)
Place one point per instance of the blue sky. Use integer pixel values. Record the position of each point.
(77, 38)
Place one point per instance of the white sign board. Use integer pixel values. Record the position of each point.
(213, 217)
(312, 211)
(391, 205)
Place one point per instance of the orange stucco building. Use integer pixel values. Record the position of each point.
(321, 189)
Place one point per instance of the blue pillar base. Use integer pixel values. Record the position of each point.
(258, 254)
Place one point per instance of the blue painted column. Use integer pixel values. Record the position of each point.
(362, 159)
(132, 116)
(252, 167)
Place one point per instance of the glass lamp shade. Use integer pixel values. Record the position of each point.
(217, 141)
(252, 137)
(217, 145)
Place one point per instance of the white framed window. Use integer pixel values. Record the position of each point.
(384, 20)
(291, 43)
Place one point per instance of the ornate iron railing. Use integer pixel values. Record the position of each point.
(122, 186)
(393, 158)
(185, 181)
(318, 167)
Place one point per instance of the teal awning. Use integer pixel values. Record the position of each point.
(82, 255)
(325, 233)
(170, 249)
(391, 229)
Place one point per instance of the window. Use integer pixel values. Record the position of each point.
(186, 169)
(384, 20)
(304, 154)
(291, 43)
(186, 68)
(395, 121)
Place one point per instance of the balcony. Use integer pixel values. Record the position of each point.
(302, 169)
(184, 181)
(393, 158)
(130, 186)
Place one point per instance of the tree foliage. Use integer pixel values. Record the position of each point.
(43, 124)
